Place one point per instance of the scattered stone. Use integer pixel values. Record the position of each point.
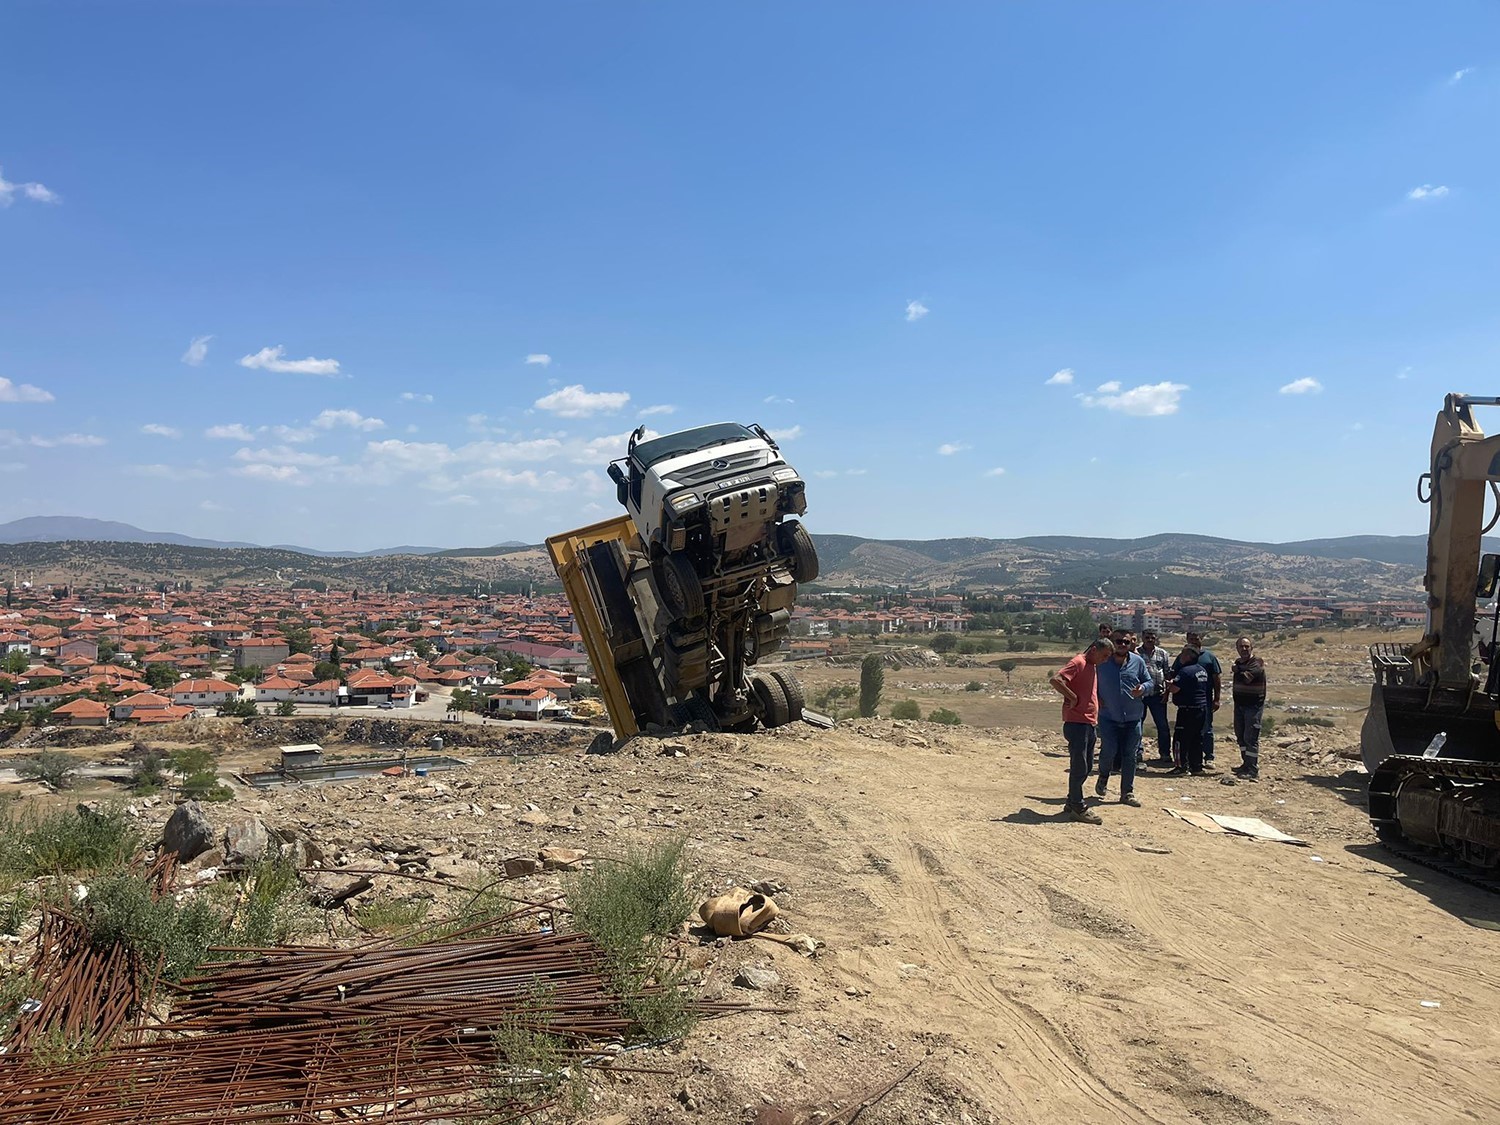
(686, 1097)
(246, 841)
(330, 889)
(758, 980)
(674, 750)
(518, 866)
(188, 832)
(535, 819)
(556, 858)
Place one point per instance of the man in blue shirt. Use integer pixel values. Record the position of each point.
(1215, 672)
(1123, 682)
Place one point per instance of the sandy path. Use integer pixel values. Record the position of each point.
(1139, 971)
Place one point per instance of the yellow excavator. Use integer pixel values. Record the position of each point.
(1431, 737)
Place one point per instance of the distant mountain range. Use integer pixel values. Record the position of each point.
(64, 529)
(1169, 565)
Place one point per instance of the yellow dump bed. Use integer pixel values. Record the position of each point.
(566, 551)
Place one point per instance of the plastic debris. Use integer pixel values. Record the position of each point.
(1432, 1004)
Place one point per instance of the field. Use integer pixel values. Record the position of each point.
(1018, 967)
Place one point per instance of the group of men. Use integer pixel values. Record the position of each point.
(1109, 688)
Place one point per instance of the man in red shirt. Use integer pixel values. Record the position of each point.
(1075, 683)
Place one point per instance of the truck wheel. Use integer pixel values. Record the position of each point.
(679, 586)
(798, 544)
(793, 689)
(775, 709)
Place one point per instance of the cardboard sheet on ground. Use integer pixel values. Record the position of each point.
(1239, 825)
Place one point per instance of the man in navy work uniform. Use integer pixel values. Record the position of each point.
(1190, 690)
(1215, 671)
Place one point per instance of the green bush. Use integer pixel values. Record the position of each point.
(149, 775)
(1303, 721)
(50, 767)
(946, 717)
(1320, 641)
(285, 708)
(631, 907)
(120, 909)
(906, 709)
(974, 685)
(64, 842)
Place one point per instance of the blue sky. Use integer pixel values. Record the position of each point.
(438, 260)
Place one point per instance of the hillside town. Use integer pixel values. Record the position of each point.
(91, 658)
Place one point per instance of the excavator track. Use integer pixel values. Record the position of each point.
(1385, 803)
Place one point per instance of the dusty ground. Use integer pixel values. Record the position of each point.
(1143, 970)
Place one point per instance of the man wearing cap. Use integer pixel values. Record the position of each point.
(1190, 690)
(1075, 681)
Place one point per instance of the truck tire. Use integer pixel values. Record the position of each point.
(677, 582)
(793, 689)
(802, 556)
(775, 708)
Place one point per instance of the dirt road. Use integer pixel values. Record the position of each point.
(1140, 971)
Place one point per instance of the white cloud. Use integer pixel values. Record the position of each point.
(9, 437)
(270, 359)
(1459, 75)
(293, 434)
(461, 498)
(22, 392)
(156, 429)
(230, 431)
(284, 455)
(165, 472)
(661, 408)
(915, 310)
(212, 506)
(575, 402)
(778, 400)
(351, 418)
(789, 433)
(1150, 400)
(37, 193)
(539, 359)
(1404, 373)
(197, 351)
(1109, 388)
(1063, 378)
(997, 471)
(1427, 191)
(415, 396)
(1303, 386)
(274, 474)
(949, 448)
(856, 472)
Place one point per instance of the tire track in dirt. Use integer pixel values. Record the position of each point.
(1043, 1065)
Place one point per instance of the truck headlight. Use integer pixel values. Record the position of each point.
(784, 473)
(680, 504)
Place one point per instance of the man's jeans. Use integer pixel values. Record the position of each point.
(1247, 732)
(1118, 743)
(1208, 734)
(1157, 705)
(1080, 738)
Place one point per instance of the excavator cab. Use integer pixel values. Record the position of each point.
(1430, 739)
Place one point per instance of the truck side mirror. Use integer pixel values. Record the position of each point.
(617, 475)
(1489, 575)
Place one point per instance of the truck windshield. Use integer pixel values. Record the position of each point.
(650, 452)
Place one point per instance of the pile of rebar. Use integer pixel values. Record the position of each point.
(90, 994)
(446, 1030)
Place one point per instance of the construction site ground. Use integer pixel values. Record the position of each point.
(1031, 969)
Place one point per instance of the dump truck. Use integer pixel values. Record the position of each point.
(679, 598)
(1430, 739)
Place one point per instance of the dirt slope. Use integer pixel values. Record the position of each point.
(1140, 971)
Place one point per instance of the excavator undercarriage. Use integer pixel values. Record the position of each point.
(1431, 736)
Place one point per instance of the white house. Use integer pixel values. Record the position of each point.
(204, 693)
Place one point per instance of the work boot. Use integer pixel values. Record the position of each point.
(1101, 787)
(1082, 816)
(1132, 800)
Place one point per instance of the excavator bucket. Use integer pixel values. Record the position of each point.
(1405, 720)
